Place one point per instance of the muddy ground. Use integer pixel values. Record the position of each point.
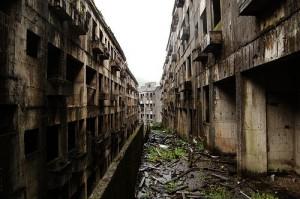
(175, 168)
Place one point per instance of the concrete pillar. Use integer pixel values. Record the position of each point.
(252, 133)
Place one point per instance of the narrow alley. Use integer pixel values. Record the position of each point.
(153, 99)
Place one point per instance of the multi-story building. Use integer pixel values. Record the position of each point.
(68, 100)
(150, 103)
(231, 76)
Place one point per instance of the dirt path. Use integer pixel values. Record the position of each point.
(174, 168)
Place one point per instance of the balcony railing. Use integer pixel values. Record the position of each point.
(61, 8)
(212, 42)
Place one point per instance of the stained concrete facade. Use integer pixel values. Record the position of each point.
(150, 103)
(231, 76)
(68, 100)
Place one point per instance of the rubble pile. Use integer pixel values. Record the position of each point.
(176, 168)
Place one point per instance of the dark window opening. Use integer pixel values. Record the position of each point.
(216, 12)
(189, 66)
(91, 126)
(206, 104)
(72, 136)
(94, 30)
(31, 141)
(52, 143)
(204, 22)
(6, 119)
(32, 44)
(74, 67)
(54, 57)
(90, 76)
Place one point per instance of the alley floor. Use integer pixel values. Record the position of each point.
(175, 168)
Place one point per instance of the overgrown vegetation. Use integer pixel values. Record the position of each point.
(157, 127)
(263, 196)
(156, 154)
(218, 193)
(170, 186)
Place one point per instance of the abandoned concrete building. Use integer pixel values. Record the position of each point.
(150, 103)
(68, 101)
(231, 77)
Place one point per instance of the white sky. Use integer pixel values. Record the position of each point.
(142, 29)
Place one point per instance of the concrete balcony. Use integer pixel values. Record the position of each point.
(57, 86)
(212, 42)
(79, 161)
(97, 46)
(123, 74)
(61, 8)
(185, 33)
(115, 65)
(79, 24)
(252, 7)
(59, 173)
(179, 3)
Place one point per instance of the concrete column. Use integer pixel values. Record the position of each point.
(252, 134)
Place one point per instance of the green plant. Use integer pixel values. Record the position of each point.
(263, 196)
(219, 193)
(200, 146)
(170, 186)
(155, 154)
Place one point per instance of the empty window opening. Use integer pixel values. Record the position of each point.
(206, 104)
(91, 126)
(216, 12)
(6, 119)
(32, 44)
(74, 67)
(71, 136)
(189, 67)
(52, 142)
(54, 57)
(31, 141)
(204, 22)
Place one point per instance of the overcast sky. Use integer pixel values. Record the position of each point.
(142, 29)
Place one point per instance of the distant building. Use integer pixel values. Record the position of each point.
(150, 103)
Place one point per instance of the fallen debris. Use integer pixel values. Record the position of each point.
(176, 168)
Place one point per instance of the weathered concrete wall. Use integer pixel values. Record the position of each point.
(224, 117)
(120, 179)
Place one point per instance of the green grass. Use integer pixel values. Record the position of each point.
(218, 193)
(263, 196)
(156, 154)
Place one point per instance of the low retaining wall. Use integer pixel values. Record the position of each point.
(120, 178)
